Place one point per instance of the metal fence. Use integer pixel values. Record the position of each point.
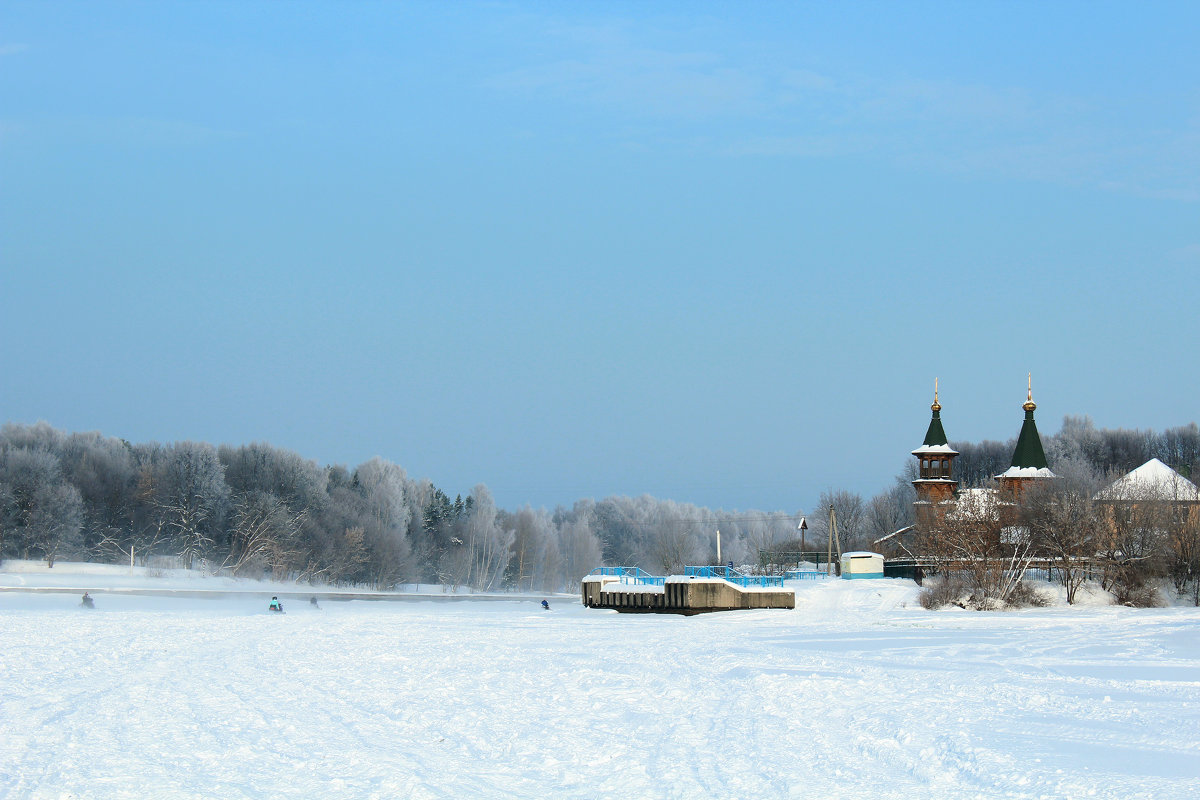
(733, 576)
(634, 576)
(805, 575)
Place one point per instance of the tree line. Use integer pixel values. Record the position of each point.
(262, 510)
(259, 510)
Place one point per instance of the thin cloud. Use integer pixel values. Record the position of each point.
(13, 49)
(750, 107)
(649, 82)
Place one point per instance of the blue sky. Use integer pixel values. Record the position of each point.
(710, 252)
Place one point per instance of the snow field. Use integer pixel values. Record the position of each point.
(856, 692)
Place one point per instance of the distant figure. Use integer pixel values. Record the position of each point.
(86, 602)
(276, 606)
(313, 602)
(546, 605)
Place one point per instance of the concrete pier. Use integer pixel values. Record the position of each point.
(680, 595)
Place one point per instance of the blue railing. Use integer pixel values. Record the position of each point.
(638, 577)
(733, 576)
(804, 575)
(631, 575)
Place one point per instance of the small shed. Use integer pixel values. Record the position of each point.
(861, 564)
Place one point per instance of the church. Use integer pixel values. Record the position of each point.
(937, 489)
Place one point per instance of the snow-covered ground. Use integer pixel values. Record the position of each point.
(16, 574)
(857, 692)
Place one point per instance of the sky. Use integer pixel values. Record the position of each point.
(712, 252)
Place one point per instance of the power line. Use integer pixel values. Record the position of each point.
(716, 519)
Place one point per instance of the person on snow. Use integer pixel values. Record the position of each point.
(312, 601)
(546, 604)
(86, 602)
(275, 606)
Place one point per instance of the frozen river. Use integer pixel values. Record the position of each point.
(858, 692)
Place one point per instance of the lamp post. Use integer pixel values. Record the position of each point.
(802, 527)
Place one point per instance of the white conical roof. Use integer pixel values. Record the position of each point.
(1153, 480)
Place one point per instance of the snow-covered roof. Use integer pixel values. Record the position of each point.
(861, 554)
(895, 533)
(935, 449)
(1026, 472)
(1153, 480)
(976, 504)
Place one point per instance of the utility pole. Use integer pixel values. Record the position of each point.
(718, 546)
(802, 527)
(829, 544)
(833, 536)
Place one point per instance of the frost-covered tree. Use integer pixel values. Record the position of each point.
(532, 534)
(42, 515)
(384, 488)
(265, 535)
(55, 523)
(189, 497)
(579, 547)
(486, 543)
(104, 471)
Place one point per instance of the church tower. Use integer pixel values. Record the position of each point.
(1029, 459)
(935, 466)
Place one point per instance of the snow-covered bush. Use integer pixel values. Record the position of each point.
(944, 590)
(1026, 595)
(1137, 596)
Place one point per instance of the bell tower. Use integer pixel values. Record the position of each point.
(1029, 459)
(935, 464)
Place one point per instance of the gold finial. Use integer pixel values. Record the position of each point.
(936, 405)
(1029, 404)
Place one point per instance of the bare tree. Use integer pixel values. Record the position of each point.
(264, 535)
(890, 511)
(980, 540)
(1185, 558)
(1063, 521)
(348, 557)
(1136, 527)
(851, 520)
